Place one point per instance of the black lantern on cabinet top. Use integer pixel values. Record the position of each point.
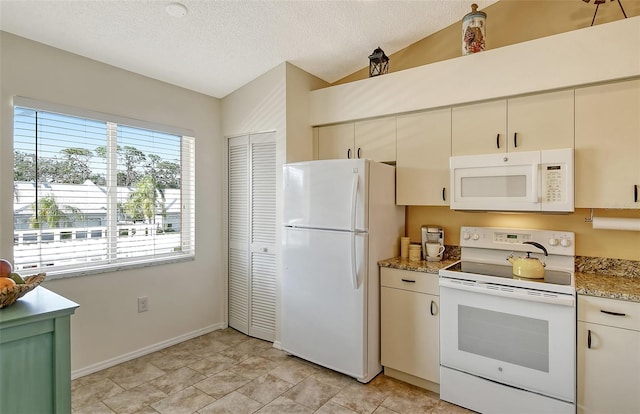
(378, 63)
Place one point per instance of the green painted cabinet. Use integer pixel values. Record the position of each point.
(35, 357)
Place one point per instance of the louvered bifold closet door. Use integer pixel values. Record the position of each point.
(238, 172)
(262, 306)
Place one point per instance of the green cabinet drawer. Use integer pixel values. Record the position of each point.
(35, 357)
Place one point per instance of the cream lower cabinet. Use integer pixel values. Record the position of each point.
(422, 166)
(525, 123)
(608, 146)
(409, 312)
(608, 356)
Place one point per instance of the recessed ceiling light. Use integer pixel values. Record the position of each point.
(176, 10)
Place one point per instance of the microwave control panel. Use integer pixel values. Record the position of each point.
(556, 176)
(554, 183)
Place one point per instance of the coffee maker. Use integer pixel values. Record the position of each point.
(431, 234)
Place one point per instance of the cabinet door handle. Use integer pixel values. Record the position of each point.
(349, 153)
(589, 338)
(635, 193)
(515, 140)
(498, 141)
(433, 308)
(613, 313)
(408, 280)
(358, 153)
(444, 198)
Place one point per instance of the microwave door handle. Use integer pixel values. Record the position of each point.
(535, 172)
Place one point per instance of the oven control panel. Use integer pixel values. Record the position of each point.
(499, 238)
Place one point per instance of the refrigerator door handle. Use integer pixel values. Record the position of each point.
(354, 199)
(354, 270)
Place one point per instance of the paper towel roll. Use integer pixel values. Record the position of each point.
(616, 223)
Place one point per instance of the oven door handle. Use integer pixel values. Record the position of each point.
(508, 292)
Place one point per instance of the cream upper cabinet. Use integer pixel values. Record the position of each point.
(527, 123)
(479, 128)
(543, 121)
(608, 356)
(336, 141)
(373, 139)
(422, 167)
(608, 145)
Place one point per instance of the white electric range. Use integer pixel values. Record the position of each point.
(507, 344)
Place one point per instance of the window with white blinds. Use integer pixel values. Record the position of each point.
(95, 193)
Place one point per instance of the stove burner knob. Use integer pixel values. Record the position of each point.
(476, 236)
(553, 241)
(466, 235)
(565, 242)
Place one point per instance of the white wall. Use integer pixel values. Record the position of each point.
(299, 130)
(185, 299)
(258, 106)
(590, 55)
(276, 101)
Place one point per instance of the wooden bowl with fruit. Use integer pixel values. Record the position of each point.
(13, 286)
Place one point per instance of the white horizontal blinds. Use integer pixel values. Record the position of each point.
(263, 236)
(58, 198)
(238, 232)
(149, 193)
(111, 223)
(188, 195)
(91, 195)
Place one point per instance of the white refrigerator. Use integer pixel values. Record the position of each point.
(340, 219)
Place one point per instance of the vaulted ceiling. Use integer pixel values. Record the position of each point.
(218, 46)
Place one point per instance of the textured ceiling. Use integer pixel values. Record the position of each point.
(221, 45)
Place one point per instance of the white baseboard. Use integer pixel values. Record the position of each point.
(277, 345)
(144, 351)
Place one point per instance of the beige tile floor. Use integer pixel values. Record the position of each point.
(227, 372)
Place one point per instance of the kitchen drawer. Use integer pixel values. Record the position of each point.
(592, 309)
(409, 280)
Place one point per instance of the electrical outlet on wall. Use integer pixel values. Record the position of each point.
(143, 304)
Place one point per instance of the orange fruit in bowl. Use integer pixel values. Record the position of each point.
(5, 268)
(6, 282)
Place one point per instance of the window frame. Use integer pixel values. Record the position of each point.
(187, 190)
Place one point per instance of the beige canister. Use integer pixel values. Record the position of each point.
(414, 252)
(404, 247)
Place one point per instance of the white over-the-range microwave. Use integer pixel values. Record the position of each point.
(536, 181)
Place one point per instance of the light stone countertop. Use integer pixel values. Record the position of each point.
(614, 281)
(417, 266)
(608, 278)
(608, 286)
